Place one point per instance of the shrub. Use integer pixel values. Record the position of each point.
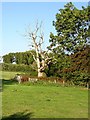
(18, 67)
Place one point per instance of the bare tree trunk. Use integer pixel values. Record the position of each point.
(41, 68)
(88, 85)
(41, 74)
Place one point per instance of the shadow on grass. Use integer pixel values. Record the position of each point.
(19, 116)
(8, 82)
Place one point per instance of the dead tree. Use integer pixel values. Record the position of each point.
(41, 58)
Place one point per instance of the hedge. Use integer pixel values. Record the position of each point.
(17, 68)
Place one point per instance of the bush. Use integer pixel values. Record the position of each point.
(78, 78)
(18, 67)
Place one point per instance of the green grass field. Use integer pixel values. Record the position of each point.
(39, 101)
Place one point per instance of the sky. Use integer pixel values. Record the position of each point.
(17, 16)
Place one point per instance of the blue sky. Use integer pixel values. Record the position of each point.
(16, 16)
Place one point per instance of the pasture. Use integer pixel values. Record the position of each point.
(42, 101)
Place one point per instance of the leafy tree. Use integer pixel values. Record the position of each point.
(8, 58)
(72, 36)
(81, 60)
(72, 30)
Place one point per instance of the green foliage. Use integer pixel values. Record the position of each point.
(72, 29)
(70, 45)
(8, 58)
(57, 68)
(73, 68)
(21, 57)
(81, 60)
(18, 67)
(79, 78)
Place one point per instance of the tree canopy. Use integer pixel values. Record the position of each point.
(71, 25)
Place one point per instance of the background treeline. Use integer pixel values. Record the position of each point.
(21, 58)
(24, 63)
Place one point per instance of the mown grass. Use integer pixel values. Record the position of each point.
(40, 101)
